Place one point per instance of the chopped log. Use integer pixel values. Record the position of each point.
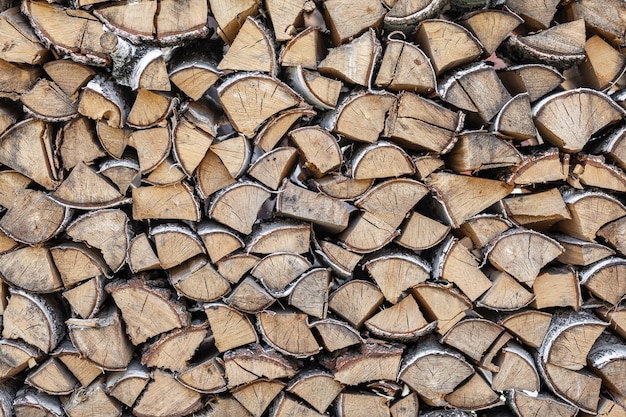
(480, 150)
(204, 377)
(235, 154)
(218, 241)
(540, 168)
(404, 15)
(421, 232)
(611, 231)
(114, 140)
(441, 303)
(446, 370)
(31, 269)
(148, 110)
(288, 333)
(581, 252)
(287, 406)
(340, 260)
(83, 369)
(69, 75)
(347, 22)
(285, 16)
(605, 279)
(230, 19)
(86, 298)
(405, 407)
(125, 386)
(141, 255)
(529, 326)
(277, 126)
(271, 168)
(212, 175)
(482, 333)
(353, 62)
(592, 170)
(608, 408)
(535, 79)
(603, 66)
(321, 92)
(607, 358)
(522, 209)
(175, 244)
(196, 279)
(93, 397)
(77, 262)
(342, 187)
(474, 394)
(59, 107)
(237, 206)
(405, 67)
(230, 328)
(165, 396)
(309, 293)
(20, 43)
(280, 236)
(193, 76)
(178, 202)
(250, 297)
(251, 50)
(434, 36)
(526, 404)
(557, 288)
(370, 363)
(355, 404)
(570, 118)
(234, 267)
(15, 80)
(505, 294)
(401, 322)
(140, 325)
(395, 273)
(491, 27)
(381, 160)
(102, 340)
(603, 19)
(29, 401)
(173, 350)
(316, 387)
(306, 49)
(16, 356)
(586, 221)
(257, 395)
(53, 378)
(310, 142)
(336, 335)
(568, 385)
(355, 301)
(79, 142)
(250, 364)
(152, 146)
(167, 172)
(482, 228)
(516, 370)
(515, 120)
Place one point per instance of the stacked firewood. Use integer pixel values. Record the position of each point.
(381, 208)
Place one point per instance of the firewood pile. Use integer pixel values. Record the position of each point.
(379, 208)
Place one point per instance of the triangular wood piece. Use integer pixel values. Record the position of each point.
(491, 27)
(252, 50)
(405, 67)
(395, 273)
(237, 206)
(535, 79)
(178, 203)
(515, 119)
(354, 61)
(306, 49)
(230, 17)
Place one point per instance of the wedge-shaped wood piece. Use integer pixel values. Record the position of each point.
(505, 294)
(522, 253)
(27, 147)
(405, 67)
(9, 114)
(113, 139)
(515, 119)
(165, 396)
(251, 50)
(607, 359)
(86, 298)
(582, 252)
(286, 406)
(277, 270)
(252, 363)
(491, 27)
(607, 408)
(593, 171)
(103, 100)
(212, 175)
(167, 172)
(79, 142)
(557, 288)
(402, 322)
(193, 76)
(126, 385)
(351, 404)
(321, 92)
(355, 301)
(530, 326)
(285, 15)
(419, 123)
(590, 211)
(11, 183)
(35, 319)
(568, 119)
(58, 107)
(464, 88)
(218, 240)
(233, 267)
(434, 36)
(474, 394)
(250, 297)
(306, 49)
(613, 146)
(177, 200)
(336, 335)
(26, 225)
(484, 227)
(534, 79)
(83, 369)
(149, 109)
(30, 268)
(280, 236)
(536, 14)
(421, 232)
(139, 317)
(205, 377)
(225, 405)
(473, 337)
(237, 206)
(561, 46)
(406, 406)
(371, 362)
(30, 401)
(231, 17)
(441, 303)
(426, 165)
(523, 209)
(347, 120)
(604, 65)
(53, 378)
(340, 260)
(381, 160)
(288, 333)
(606, 279)
(93, 397)
(396, 272)
(517, 370)
(247, 111)
(74, 33)
(568, 385)
(525, 404)
(196, 279)
(174, 350)
(605, 19)
(309, 293)
(277, 126)
(317, 388)
(612, 232)
(479, 150)
(102, 340)
(271, 168)
(77, 262)
(6, 244)
(318, 148)
(16, 356)
(141, 255)
(69, 75)
(230, 328)
(348, 21)
(463, 196)
(540, 167)
(405, 14)
(353, 62)
(234, 153)
(20, 43)
(445, 368)
(126, 20)
(152, 146)
(257, 395)
(454, 263)
(342, 187)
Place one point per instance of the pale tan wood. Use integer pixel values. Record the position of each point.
(611, 233)
(336, 335)
(204, 377)
(140, 325)
(350, 404)
(230, 17)
(11, 183)
(69, 75)
(587, 217)
(175, 243)
(77, 262)
(277, 126)
(178, 202)
(167, 172)
(212, 175)
(123, 173)
(321, 92)
(52, 377)
(9, 114)
(218, 241)
(31, 269)
(537, 14)
(541, 167)
(246, 111)
(257, 395)
(235, 154)
(505, 294)
(271, 168)
(193, 77)
(341, 261)
(237, 206)
(354, 61)
(593, 171)
(474, 394)
(491, 27)
(421, 232)
(381, 160)
(515, 120)
(473, 336)
(38, 163)
(348, 21)
(581, 252)
(251, 50)
(405, 14)
(360, 116)
(480, 150)
(523, 209)
(284, 16)
(277, 270)
(280, 236)
(196, 279)
(316, 387)
(396, 272)
(342, 187)
(125, 386)
(93, 397)
(233, 267)
(557, 288)
(16, 356)
(434, 35)
(529, 326)
(102, 100)
(6, 244)
(31, 402)
(288, 333)
(405, 67)
(135, 21)
(152, 146)
(463, 196)
(305, 49)
(603, 66)
(605, 279)
(608, 408)
(250, 297)
(83, 369)
(79, 142)
(405, 407)
(607, 359)
(441, 303)
(446, 368)
(102, 339)
(87, 297)
(173, 350)
(419, 123)
(16, 79)
(605, 19)
(482, 228)
(370, 363)
(568, 385)
(224, 405)
(141, 255)
(287, 406)
(526, 405)
(20, 43)
(230, 328)
(149, 109)
(517, 370)
(535, 79)
(46, 101)
(250, 364)
(464, 88)
(401, 322)
(165, 396)
(355, 301)
(114, 140)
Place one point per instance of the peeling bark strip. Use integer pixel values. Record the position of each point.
(279, 208)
